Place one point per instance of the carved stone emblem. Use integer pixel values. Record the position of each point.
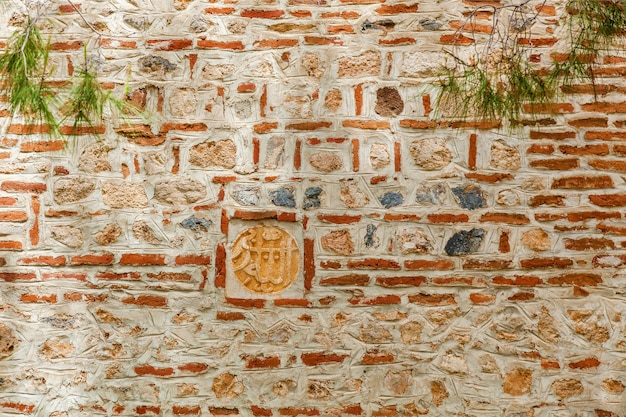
(265, 259)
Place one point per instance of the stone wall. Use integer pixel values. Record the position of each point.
(291, 232)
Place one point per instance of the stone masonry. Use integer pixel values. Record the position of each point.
(291, 231)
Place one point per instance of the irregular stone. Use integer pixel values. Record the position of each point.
(226, 386)
(430, 24)
(71, 190)
(61, 321)
(439, 392)
(565, 388)
(398, 382)
(275, 154)
(67, 235)
(318, 389)
(587, 326)
(368, 63)
(434, 194)
(246, 195)
(339, 241)
(221, 153)
(217, 72)
(379, 156)
(142, 231)
(283, 388)
(508, 198)
(326, 161)
(518, 382)
(412, 241)
(154, 163)
(312, 197)
(488, 364)
(284, 197)
(310, 63)
(199, 24)
(423, 64)
(388, 102)
(179, 191)
(109, 234)
(546, 326)
(156, 65)
(537, 240)
(470, 197)
(8, 342)
(333, 100)
(505, 157)
(137, 22)
(391, 199)
(117, 194)
(56, 349)
(353, 197)
(242, 108)
(95, 158)
(411, 332)
(430, 154)
(298, 106)
(371, 240)
(196, 224)
(465, 242)
(453, 363)
(613, 386)
(375, 334)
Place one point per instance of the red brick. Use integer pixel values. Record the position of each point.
(260, 412)
(486, 265)
(374, 357)
(19, 129)
(456, 39)
(547, 200)
(585, 364)
(223, 411)
(309, 125)
(518, 280)
(146, 300)
(183, 127)
(608, 165)
(118, 276)
(541, 134)
(540, 149)
(259, 362)
(145, 409)
(17, 276)
(230, 316)
(583, 182)
(599, 150)
(605, 107)
(43, 146)
(339, 219)
(522, 296)
(103, 259)
(509, 218)
(373, 263)
(10, 245)
(139, 259)
(398, 8)
(265, 127)
(152, 371)
(194, 367)
(64, 275)
(489, 178)
(193, 260)
(275, 43)
(23, 187)
(405, 281)
(229, 45)
(367, 124)
(313, 359)
(246, 303)
(588, 243)
(20, 407)
(562, 164)
(292, 302)
(186, 410)
(321, 40)
(401, 217)
(591, 215)
(13, 216)
(611, 229)
(7, 201)
(589, 122)
(43, 260)
(579, 279)
(448, 218)
(262, 14)
(608, 135)
(219, 10)
(424, 264)
(478, 298)
(66, 46)
(541, 263)
(432, 299)
(350, 279)
(34, 298)
(537, 42)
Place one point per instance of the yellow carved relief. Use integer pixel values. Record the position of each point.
(265, 259)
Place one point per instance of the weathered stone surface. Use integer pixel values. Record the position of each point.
(333, 100)
(156, 65)
(368, 63)
(431, 154)
(275, 155)
(217, 72)
(413, 241)
(379, 156)
(398, 382)
(465, 242)
(505, 157)
(142, 231)
(371, 240)
(95, 158)
(353, 197)
(470, 197)
(56, 349)
(508, 198)
(518, 381)
(71, 190)
(67, 235)
(180, 191)
(117, 194)
(227, 386)
(326, 161)
(565, 388)
(283, 196)
(312, 197)
(196, 224)
(453, 363)
(339, 241)
(8, 342)
(391, 199)
(221, 153)
(439, 392)
(108, 235)
(389, 103)
(537, 240)
(246, 195)
(434, 194)
(411, 332)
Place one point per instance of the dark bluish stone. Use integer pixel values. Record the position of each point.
(465, 242)
(284, 197)
(369, 236)
(312, 197)
(194, 223)
(431, 195)
(391, 199)
(430, 24)
(470, 197)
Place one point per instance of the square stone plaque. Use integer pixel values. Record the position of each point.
(264, 259)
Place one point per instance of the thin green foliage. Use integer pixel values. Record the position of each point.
(23, 70)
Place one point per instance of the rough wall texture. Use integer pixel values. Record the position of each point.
(292, 233)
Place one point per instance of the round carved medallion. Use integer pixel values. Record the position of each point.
(265, 259)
